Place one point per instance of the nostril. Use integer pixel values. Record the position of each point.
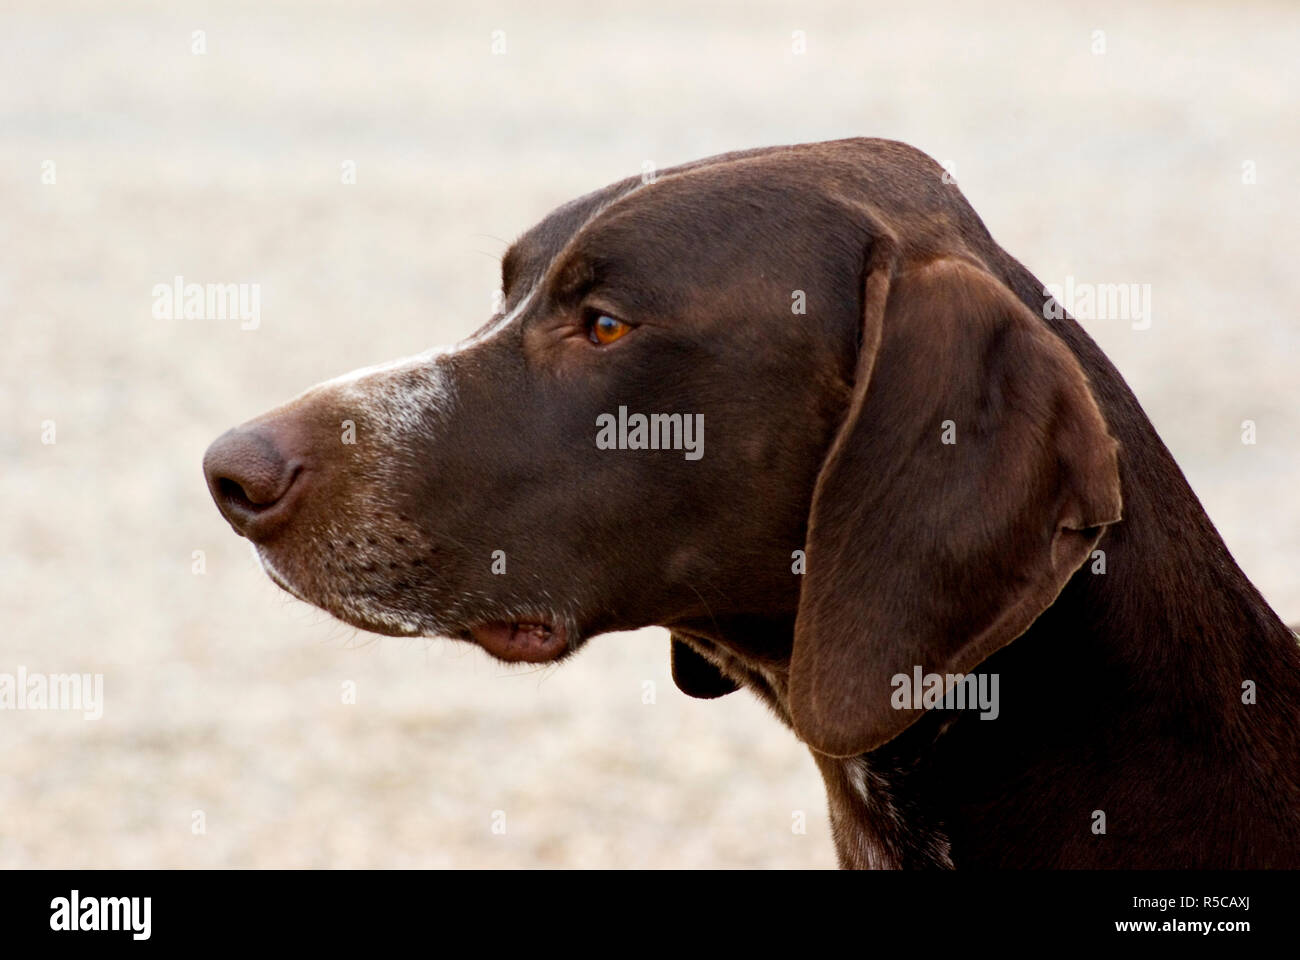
(250, 479)
(251, 495)
(235, 495)
(231, 492)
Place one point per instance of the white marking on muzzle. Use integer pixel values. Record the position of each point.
(400, 403)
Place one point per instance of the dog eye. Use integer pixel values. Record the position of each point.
(605, 329)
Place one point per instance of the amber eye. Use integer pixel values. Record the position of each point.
(606, 329)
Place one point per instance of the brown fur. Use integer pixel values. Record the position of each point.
(1121, 692)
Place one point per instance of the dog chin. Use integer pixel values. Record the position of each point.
(352, 611)
(534, 638)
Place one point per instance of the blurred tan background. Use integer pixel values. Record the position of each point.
(225, 696)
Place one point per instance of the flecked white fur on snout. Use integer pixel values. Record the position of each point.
(398, 403)
(393, 402)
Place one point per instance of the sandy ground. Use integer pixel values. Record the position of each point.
(226, 697)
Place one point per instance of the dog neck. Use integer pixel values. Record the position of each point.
(878, 820)
(1112, 702)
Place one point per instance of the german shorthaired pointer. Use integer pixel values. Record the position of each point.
(917, 469)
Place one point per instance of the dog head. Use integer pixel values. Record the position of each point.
(718, 399)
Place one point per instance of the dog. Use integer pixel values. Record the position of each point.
(918, 470)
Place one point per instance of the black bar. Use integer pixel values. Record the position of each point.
(439, 909)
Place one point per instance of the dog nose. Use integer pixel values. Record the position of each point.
(252, 479)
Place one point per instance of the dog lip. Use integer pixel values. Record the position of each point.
(525, 640)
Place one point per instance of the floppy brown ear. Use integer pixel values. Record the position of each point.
(696, 677)
(972, 476)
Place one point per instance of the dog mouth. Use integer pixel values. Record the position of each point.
(531, 638)
(526, 641)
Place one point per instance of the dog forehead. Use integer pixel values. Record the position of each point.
(529, 256)
(721, 185)
(794, 217)
(688, 235)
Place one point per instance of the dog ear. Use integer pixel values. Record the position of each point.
(696, 677)
(970, 479)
